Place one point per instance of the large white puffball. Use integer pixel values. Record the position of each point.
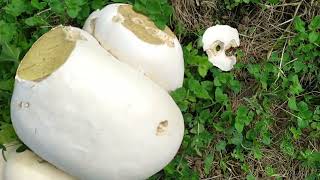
(28, 166)
(134, 39)
(91, 115)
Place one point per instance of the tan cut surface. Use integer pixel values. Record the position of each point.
(143, 27)
(46, 55)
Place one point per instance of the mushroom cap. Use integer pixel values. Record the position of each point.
(224, 33)
(134, 39)
(216, 40)
(26, 165)
(92, 116)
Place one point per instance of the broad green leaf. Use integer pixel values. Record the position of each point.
(56, 6)
(9, 53)
(179, 94)
(6, 85)
(295, 132)
(257, 153)
(292, 103)
(287, 147)
(315, 23)
(236, 139)
(38, 5)
(250, 177)
(154, 7)
(197, 89)
(17, 7)
(208, 163)
(313, 36)
(220, 96)
(73, 11)
(203, 70)
(239, 126)
(270, 171)
(299, 24)
(221, 146)
(7, 31)
(99, 4)
(35, 21)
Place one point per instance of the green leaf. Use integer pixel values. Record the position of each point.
(257, 153)
(220, 96)
(292, 103)
(270, 171)
(208, 163)
(154, 7)
(236, 139)
(98, 4)
(298, 66)
(242, 118)
(299, 24)
(296, 87)
(73, 11)
(239, 126)
(315, 23)
(287, 147)
(313, 36)
(7, 31)
(35, 21)
(179, 94)
(9, 53)
(6, 85)
(74, 7)
(56, 6)
(38, 5)
(250, 177)
(221, 146)
(295, 132)
(302, 123)
(197, 89)
(17, 7)
(203, 70)
(235, 86)
(273, 1)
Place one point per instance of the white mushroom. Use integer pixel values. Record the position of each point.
(91, 115)
(134, 39)
(28, 166)
(216, 41)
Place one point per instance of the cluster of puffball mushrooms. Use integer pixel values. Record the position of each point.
(93, 104)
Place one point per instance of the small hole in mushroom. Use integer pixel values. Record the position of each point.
(162, 128)
(218, 48)
(231, 51)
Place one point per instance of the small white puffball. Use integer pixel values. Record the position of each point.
(216, 41)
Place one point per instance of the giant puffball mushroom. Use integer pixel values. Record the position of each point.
(216, 41)
(89, 114)
(28, 166)
(134, 39)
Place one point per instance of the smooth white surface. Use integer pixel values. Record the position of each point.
(97, 118)
(28, 166)
(227, 37)
(161, 63)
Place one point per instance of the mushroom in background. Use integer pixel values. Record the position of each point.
(216, 41)
(134, 39)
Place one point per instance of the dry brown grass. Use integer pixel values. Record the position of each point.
(263, 29)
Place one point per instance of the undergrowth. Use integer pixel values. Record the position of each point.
(257, 121)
